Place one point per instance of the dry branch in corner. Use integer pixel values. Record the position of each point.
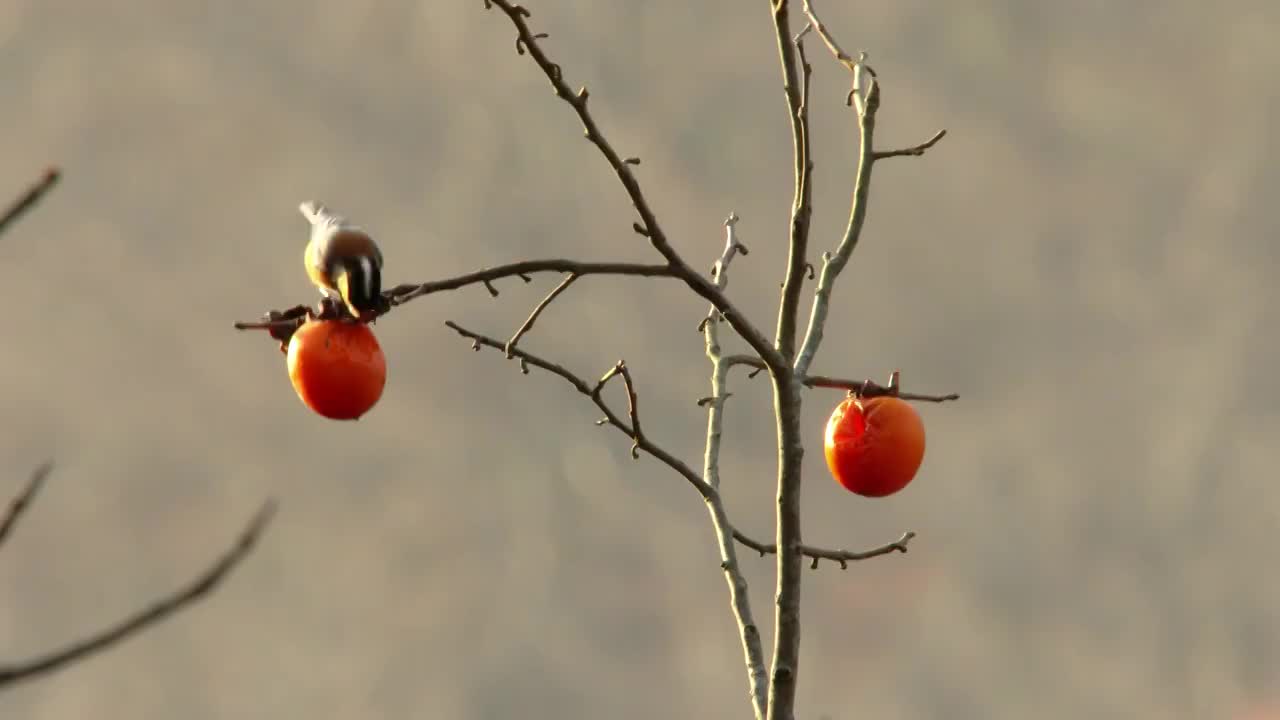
(159, 610)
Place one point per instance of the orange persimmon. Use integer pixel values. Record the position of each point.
(337, 368)
(874, 446)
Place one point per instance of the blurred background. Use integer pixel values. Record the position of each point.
(1088, 258)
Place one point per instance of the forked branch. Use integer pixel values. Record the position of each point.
(913, 151)
(626, 426)
(633, 412)
(796, 73)
(528, 43)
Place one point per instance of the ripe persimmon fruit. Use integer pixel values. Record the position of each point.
(337, 368)
(874, 446)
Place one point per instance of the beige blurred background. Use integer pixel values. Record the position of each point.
(1087, 259)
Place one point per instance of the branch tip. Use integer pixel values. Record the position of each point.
(23, 500)
(28, 199)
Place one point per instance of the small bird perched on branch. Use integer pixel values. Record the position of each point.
(343, 261)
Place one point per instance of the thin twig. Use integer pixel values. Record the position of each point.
(913, 151)
(739, 598)
(533, 316)
(28, 199)
(785, 663)
(23, 500)
(166, 607)
(582, 386)
(830, 41)
(844, 557)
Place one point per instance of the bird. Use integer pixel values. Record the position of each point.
(343, 261)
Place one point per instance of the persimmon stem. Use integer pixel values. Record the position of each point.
(863, 388)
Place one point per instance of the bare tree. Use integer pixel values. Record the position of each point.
(786, 357)
(163, 608)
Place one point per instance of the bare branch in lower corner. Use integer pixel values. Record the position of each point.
(164, 608)
(633, 413)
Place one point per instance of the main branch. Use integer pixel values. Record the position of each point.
(628, 426)
(832, 265)
(527, 42)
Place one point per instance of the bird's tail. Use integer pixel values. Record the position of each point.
(317, 213)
